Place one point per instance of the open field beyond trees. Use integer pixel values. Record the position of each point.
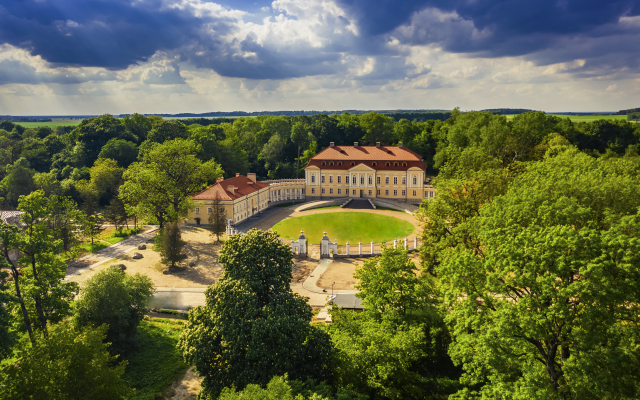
(345, 226)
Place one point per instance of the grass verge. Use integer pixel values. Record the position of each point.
(156, 362)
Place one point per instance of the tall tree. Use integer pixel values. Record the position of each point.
(123, 151)
(218, 217)
(172, 244)
(9, 245)
(546, 303)
(299, 135)
(70, 364)
(46, 294)
(161, 185)
(253, 327)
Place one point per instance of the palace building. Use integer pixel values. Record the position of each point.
(376, 172)
(390, 172)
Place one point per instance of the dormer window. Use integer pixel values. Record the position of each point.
(352, 164)
(404, 164)
(387, 164)
(339, 162)
(324, 163)
(331, 163)
(395, 164)
(374, 164)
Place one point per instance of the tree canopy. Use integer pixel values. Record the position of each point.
(253, 327)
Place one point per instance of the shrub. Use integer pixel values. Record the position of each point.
(117, 299)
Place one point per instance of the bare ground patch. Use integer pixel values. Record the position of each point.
(341, 272)
(199, 249)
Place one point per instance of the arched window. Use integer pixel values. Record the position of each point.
(404, 164)
(339, 162)
(323, 163)
(313, 179)
(353, 179)
(395, 164)
(352, 164)
(387, 164)
(415, 180)
(375, 163)
(370, 180)
(362, 180)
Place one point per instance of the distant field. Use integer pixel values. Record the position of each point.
(585, 118)
(55, 122)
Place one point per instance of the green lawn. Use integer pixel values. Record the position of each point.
(156, 362)
(52, 124)
(351, 226)
(585, 118)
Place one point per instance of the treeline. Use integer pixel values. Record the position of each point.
(275, 147)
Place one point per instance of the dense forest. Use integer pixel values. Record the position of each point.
(60, 160)
(526, 284)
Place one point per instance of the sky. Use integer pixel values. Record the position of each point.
(60, 57)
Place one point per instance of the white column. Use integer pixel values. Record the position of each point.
(348, 248)
(372, 246)
(395, 243)
(406, 244)
(415, 242)
(360, 248)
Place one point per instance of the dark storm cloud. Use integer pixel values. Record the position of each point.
(115, 34)
(104, 33)
(546, 31)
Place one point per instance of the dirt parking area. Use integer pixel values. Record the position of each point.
(199, 249)
(341, 272)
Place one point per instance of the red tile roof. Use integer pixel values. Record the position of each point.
(367, 155)
(243, 186)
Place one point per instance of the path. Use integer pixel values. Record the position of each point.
(111, 252)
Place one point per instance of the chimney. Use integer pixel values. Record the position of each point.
(332, 144)
(219, 179)
(237, 174)
(400, 145)
(355, 144)
(252, 176)
(231, 189)
(377, 144)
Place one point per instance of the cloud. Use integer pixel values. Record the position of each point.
(15, 71)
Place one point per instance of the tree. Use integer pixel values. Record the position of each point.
(172, 244)
(117, 300)
(377, 128)
(299, 136)
(281, 388)
(70, 364)
(167, 130)
(116, 213)
(161, 185)
(18, 181)
(218, 217)
(396, 347)
(94, 226)
(547, 304)
(138, 125)
(253, 327)
(95, 132)
(122, 151)
(106, 178)
(8, 245)
(272, 151)
(6, 337)
(390, 282)
(46, 296)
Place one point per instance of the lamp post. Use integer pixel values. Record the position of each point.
(332, 288)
